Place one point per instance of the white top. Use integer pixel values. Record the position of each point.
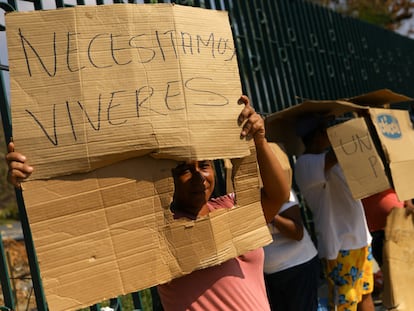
(283, 252)
(339, 219)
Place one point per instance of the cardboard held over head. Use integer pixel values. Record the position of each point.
(96, 85)
(109, 232)
(374, 151)
(99, 215)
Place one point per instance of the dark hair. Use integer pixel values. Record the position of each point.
(308, 138)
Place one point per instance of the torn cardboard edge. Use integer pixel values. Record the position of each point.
(158, 79)
(109, 232)
(398, 261)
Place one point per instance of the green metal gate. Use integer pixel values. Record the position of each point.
(288, 50)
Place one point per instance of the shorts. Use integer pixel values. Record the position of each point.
(349, 276)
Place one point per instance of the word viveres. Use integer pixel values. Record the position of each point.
(120, 107)
(105, 50)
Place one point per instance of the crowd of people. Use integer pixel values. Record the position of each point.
(285, 274)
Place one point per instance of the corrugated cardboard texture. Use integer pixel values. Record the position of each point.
(92, 85)
(109, 232)
(281, 156)
(399, 261)
(396, 134)
(358, 156)
(132, 84)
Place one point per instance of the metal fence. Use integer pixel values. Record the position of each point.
(287, 50)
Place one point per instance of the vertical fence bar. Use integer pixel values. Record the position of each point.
(301, 48)
(252, 53)
(279, 57)
(259, 22)
(347, 78)
(295, 50)
(293, 43)
(288, 62)
(34, 268)
(311, 48)
(243, 48)
(327, 65)
(136, 299)
(5, 278)
(335, 51)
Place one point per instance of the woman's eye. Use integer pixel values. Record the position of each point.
(205, 165)
(184, 170)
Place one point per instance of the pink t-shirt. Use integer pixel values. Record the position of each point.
(236, 284)
(378, 206)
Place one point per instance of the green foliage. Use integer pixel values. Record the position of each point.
(383, 13)
(373, 12)
(382, 19)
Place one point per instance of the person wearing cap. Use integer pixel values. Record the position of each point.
(343, 238)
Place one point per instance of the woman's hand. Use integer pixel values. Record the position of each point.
(252, 122)
(18, 169)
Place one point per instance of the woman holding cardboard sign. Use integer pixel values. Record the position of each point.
(238, 283)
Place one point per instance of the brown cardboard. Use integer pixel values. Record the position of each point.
(361, 144)
(396, 133)
(375, 151)
(281, 156)
(98, 206)
(357, 155)
(398, 261)
(92, 85)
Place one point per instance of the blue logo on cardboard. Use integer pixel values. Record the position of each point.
(389, 126)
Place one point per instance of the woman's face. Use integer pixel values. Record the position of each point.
(194, 184)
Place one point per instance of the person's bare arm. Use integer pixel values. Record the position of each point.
(18, 168)
(289, 223)
(275, 189)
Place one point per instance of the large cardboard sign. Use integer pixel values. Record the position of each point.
(109, 232)
(358, 156)
(101, 97)
(95, 85)
(398, 261)
(377, 152)
(396, 133)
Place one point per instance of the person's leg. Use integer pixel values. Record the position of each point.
(350, 279)
(341, 296)
(300, 287)
(366, 304)
(378, 245)
(295, 288)
(275, 285)
(367, 281)
(304, 284)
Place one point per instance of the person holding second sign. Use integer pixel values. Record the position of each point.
(342, 233)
